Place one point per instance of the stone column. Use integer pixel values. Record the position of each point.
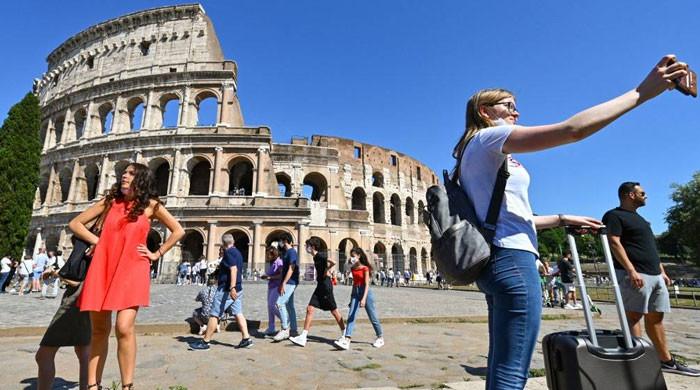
(74, 182)
(257, 245)
(104, 175)
(51, 134)
(120, 115)
(92, 122)
(148, 111)
(184, 118)
(332, 246)
(138, 156)
(174, 173)
(50, 192)
(302, 233)
(258, 173)
(218, 161)
(332, 179)
(67, 128)
(230, 114)
(211, 240)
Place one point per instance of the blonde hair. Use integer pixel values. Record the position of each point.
(474, 120)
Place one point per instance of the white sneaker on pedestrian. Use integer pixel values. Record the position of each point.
(281, 335)
(578, 306)
(342, 343)
(299, 340)
(569, 306)
(379, 342)
(202, 329)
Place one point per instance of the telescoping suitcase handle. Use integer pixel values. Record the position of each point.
(572, 231)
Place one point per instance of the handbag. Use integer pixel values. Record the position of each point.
(75, 268)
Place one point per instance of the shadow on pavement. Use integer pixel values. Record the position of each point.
(58, 383)
(478, 371)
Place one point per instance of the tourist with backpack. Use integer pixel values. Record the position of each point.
(483, 153)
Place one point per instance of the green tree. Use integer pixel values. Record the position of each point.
(683, 217)
(551, 242)
(20, 153)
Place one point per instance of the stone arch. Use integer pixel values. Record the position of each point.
(397, 258)
(58, 129)
(421, 210)
(379, 251)
(65, 179)
(284, 184)
(359, 199)
(92, 177)
(200, 170)
(192, 245)
(43, 187)
(413, 260)
(106, 113)
(135, 110)
(344, 247)
(410, 211)
(80, 121)
(161, 174)
(240, 176)
(378, 207)
(395, 210)
(51, 242)
(377, 180)
(315, 187)
(241, 241)
(424, 259)
(276, 235)
(169, 105)
(206, 105)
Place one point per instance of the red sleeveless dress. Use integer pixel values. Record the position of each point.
(118, 277)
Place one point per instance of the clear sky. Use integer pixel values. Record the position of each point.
(397, 73)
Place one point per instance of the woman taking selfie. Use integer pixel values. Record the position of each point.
(119, 275)
(510, 281)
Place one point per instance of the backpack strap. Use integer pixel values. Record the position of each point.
(499, 189)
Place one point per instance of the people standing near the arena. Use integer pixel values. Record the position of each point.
(566, 272)
(202, 271)
(490, 137)
(390, 277)
(322, 297)
(195, 273)
(5, 268)
(26, 270)
(228, 297)
(119, 275)
(38, 268)
(205, 296)
(642, 277)
(290, 280)
(361, 297)
(273, 275)
(50, 280)
(182, 273)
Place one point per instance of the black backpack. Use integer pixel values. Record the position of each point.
(461, 247)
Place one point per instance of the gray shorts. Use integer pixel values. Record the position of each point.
(652, 297)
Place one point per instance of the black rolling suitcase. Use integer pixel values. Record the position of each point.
(600, 359)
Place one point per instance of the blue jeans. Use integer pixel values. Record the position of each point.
(511, 283)
(3, 279)
(355, 298)
(285, 304)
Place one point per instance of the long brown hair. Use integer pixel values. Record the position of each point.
(473, 119)
(362, 256)
(143, 187)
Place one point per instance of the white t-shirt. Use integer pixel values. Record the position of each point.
(5, 263)
(26, 267)
(483, 157)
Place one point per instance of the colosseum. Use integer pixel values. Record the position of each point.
(154, 87)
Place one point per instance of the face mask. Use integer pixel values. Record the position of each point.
(352, 260)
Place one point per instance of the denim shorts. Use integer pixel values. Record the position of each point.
(223, 303)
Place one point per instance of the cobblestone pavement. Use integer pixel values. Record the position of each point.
(417, 354)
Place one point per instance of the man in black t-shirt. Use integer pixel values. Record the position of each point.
(640, 273)
(566, 273)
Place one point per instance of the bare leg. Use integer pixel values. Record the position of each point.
(653, 323)
(211, 328)
(126, 343)
(242, 325)
(47, 368)
(309, 317)
(633, 319)
(339, 319)
(83, 354)
(101, 327)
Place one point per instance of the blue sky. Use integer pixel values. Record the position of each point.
(398, 73)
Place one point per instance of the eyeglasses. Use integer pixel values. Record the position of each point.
(510, 106)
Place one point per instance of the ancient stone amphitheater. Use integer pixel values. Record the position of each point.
(154, 87)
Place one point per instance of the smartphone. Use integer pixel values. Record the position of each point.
(688, 84)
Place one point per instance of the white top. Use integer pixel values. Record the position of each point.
(483, 157)
(5, 263)
(26, 267)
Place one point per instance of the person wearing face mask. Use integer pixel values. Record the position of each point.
(322, 297)
(361, 296)
(510, 280)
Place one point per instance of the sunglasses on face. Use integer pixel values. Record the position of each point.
(510, 106)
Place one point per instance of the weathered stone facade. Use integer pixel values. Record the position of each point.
(110, 96)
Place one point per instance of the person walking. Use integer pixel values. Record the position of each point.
(361, 297)
(118, 278)
(5, 268)
(202, 271)
(322, 297)
(229, 296)
(290, 280)
(273, 275)
(38, 268)
(642, 278)
(566, 273)
(26, 268)
(490, 138)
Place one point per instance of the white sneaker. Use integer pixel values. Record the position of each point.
(379, 342)
(578, 306)
(202, 329)
(342, 343)
(218, 328)
(299, 340)
(281, 335)
(569, 306)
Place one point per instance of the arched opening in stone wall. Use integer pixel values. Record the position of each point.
(161, 173)
(58, 129)
(43, 187)
(65, 178)
(395, 209)
(379, 252)
(199, 176)
(284, 184)
(106, 112)
(413, 260)
(397, 258)
(80, 119)
(424, 260)
(410, 211)
(275, 237)
(192, 246)
(421, 210)
(315, 187)
(92, 176)
(207, 106)
(378, 208)
(136, 109)
(359, 199)
(170, 109)
(377, 180)
(344, 248)
(51, 243)
(153, 242)
(242, 242)
(240, 177)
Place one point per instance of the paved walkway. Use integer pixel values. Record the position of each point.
(420, 352)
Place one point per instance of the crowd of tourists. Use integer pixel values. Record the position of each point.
(36, 274)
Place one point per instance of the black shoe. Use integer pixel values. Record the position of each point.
(245, 343)
(674, 367)
(200, 345)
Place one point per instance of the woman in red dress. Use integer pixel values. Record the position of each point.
(119, 275)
